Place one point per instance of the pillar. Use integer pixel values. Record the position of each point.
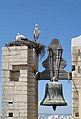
(76, 77)
(19, 84)
(80, 104)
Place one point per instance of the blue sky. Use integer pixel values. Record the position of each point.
(56, 19)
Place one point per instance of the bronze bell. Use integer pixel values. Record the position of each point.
(53, 95)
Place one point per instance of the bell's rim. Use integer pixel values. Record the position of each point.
(54, 104)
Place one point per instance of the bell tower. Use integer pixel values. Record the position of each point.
(19, 84)
(76, 78)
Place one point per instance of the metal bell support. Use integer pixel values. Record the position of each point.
(53, 92)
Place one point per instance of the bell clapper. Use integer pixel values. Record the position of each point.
(54, 107)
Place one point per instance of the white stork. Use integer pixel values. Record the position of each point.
(36, 32)
(20, 37)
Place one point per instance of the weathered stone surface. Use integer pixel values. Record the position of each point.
(22, 88)
(23, 113)
(76, 83)
(23, 53)
(5, 78)
(22, 106)
(24, 83)
(19, 84)
(5, 65)
(20, 98)
(5, 73)
(22, 79)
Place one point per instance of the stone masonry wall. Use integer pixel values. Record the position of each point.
(76, 80)
(19, 84)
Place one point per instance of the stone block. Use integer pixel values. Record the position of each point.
(5, 105)
(11, 106)
(22, 79)
(32, 80)
(24, 71)
(10, 52)
(23, 53)
(8, 83)
(24, 83)
(32, 116)
(23, 92)
(8, 89)
(15, 88)
(11, 58)
(32, 93)
(23, 113)
(22, 117)
(31, 76)
(15, 48)
(7, 98)
(5, 65)
(31, 99)
(5, 79)
(32, 84)
(20, 98)
(5, 73)
(22, 88)
(15, 113)
(23, 59)
(23, 74)
(22, 106)
(31, 89)
(15, 106)
(19, 65)
(23, 47)
(5, 49)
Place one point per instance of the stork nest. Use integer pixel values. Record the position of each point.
(40, 49)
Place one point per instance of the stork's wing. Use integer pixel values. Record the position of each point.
(36, 33)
